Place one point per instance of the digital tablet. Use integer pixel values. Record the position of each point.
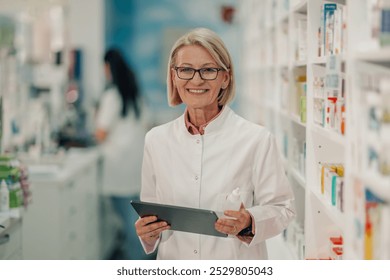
(181, 218)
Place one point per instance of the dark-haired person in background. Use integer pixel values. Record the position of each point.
(120, 130)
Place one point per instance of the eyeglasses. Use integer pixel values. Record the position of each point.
(187, 73)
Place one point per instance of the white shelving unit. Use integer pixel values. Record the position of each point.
(271, 64)
(292, 82)
(369, 149)
(37, 38)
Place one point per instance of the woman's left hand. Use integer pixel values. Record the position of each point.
(241, 219)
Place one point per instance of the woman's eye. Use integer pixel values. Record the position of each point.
(186, 70)
(209, 70)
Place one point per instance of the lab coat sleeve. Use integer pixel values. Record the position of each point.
(148, 248)
(148, 190)
(109, 110)
(273, 197)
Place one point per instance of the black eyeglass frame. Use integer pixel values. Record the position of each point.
(176, 68)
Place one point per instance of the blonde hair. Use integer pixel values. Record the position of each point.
(214, 45)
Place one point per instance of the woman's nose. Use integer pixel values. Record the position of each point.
(197, 78)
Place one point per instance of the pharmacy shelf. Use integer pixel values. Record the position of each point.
(300, 7)
(319, 60)
(337, 217)
(359, 151)
(297, 120)
(298, 177)
(329, 134)
(284, 16)
(300, 63)
(276, 76)
(376, 56)
(377, 184)
(323, 59)
(283, 87)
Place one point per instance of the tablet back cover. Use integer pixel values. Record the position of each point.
(181, 218)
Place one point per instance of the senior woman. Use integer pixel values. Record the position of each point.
(199, 158)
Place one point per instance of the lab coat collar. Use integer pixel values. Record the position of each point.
(214, 126)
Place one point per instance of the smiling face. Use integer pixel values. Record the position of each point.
(198, 93)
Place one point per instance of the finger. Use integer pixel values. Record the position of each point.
(231, 220)
(226, 228)
(231, 226)
(147, 224)
(233, 214)
(148, 219)
(155, 226)
(155, 233)
(158, 231)
(242, 217)
(231, 230)
(226, 222)
(141, 222)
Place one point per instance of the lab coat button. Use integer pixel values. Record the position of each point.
(197, 141)
(195, 252)
(196, 177)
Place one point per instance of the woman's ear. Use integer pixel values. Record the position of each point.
(226, 80)
(173, 77)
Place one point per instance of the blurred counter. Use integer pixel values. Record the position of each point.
(62, 222)
(10, 238)
(62, 167)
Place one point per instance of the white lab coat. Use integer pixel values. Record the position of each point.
(122, 150)
(200, 170)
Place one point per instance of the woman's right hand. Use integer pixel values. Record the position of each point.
(149, 230)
